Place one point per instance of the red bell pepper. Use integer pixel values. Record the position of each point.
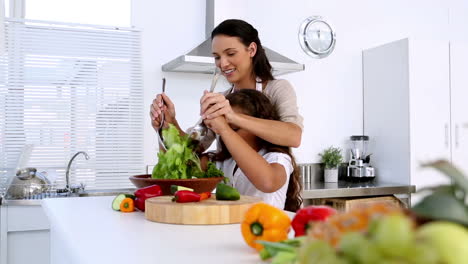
(144, 193)
(303, 218)
(140, 204)
(185, 196)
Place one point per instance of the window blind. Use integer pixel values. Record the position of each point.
(66, 88)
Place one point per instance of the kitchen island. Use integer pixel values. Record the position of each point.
(86, 230)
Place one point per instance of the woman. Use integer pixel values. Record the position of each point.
(254, 166)
(242, 60)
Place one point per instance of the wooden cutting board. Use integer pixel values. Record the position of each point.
(207, 212)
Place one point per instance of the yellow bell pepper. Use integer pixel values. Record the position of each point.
(264, 222)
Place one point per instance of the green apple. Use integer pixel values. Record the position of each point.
(317, 251)
(450, 240)
(422, 253)
(394, 235)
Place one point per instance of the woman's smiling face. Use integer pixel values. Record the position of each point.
(233, 58)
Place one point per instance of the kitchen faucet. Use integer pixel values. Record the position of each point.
(67, 174)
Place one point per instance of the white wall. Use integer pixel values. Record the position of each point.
(329, 90)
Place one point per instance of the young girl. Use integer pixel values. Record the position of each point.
(254, 166)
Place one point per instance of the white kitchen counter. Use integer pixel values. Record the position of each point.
(86, 230)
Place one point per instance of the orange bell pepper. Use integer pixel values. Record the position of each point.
(127, 205)
(264, 222)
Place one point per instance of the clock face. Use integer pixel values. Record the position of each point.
(316, 37)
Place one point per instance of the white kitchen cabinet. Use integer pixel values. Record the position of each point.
(459, 103)
(410, 111)
(3, 235)
(24, 233)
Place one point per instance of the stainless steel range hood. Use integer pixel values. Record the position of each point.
(200, 59)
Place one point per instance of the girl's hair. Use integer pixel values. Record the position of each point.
(247, 34)
(256, 104)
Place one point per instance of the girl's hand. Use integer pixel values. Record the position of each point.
(217, 124)
(213, 105)
(162, 103)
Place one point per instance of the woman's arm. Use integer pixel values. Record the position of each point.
(285, 133)
(277, 132)
(267, 177)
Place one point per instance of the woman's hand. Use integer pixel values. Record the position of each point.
(162, 103)
(213, 105)
(218, 124)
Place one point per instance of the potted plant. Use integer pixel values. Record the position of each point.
(331, 158)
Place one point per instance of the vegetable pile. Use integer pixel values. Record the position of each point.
(187, 195)
(128, 202)
(180, 160)
(446, 202)
(378, 233)
(434, 231)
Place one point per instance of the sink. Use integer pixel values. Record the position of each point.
(92, 193)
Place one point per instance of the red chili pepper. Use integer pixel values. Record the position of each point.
(185, 196)
(205, 195)
(304, 216)
(144, 193)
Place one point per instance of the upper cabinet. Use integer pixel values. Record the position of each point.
(415, 95)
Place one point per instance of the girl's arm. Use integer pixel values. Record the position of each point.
(266, 177)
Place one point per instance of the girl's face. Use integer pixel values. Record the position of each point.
(233, 58)
(250, 138)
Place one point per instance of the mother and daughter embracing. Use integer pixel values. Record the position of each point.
(256, 121)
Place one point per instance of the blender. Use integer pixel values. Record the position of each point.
(359, 168)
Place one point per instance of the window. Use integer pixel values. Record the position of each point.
(100, 12)
(7, 8)
(66, 88)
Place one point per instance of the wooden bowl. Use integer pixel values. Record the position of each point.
(198, 185)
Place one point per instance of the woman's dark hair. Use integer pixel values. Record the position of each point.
(247, 34)
(256, 104)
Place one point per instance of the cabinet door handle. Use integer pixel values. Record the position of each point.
(456, 136)
(446, 136)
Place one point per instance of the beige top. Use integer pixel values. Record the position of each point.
(283, 97)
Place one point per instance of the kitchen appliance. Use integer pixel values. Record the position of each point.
(200, 59)
(28, 182)
(359, 168)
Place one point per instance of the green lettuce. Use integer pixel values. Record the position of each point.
(180, 160)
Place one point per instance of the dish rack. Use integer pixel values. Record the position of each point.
(24, 192)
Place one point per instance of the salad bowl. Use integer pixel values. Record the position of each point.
(198, 185)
